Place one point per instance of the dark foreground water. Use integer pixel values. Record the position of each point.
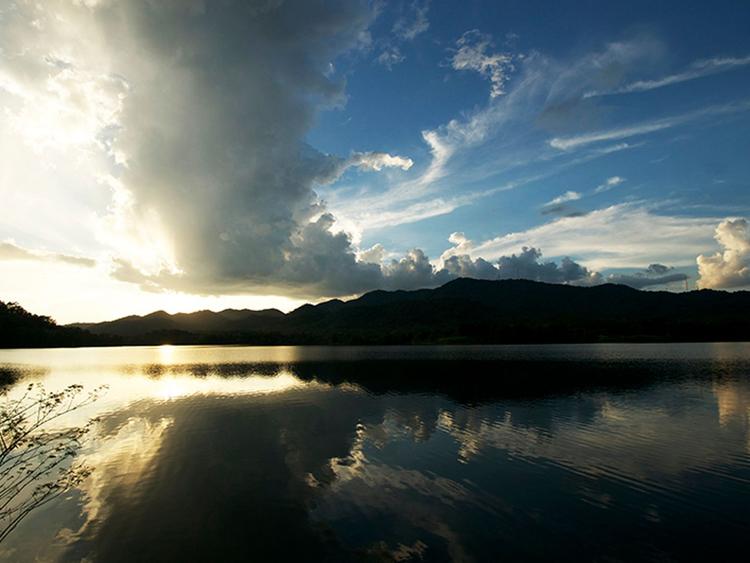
(581, 453)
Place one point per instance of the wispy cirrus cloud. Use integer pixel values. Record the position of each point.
(608, 184)
(390, 57)
(414, 22)
(698, 69)
(411, 23)
(576, 141)
(540, 86)
(560, 205)
(563, 198)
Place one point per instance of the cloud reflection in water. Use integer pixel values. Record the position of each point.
(381, 460)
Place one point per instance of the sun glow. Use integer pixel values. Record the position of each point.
(171, 389)
(166, 353)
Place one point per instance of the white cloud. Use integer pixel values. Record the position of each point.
(331, 168)
(541, 92)
(573, 142)
(385, 215)
(563, 198)
(414, 199)
(379, 160)
(408, 27)
(619, 236)
(576, 141)
(472, 54)
(608, 184)
(390, 57)
(729, 268)
(462, 260)
(376, 254)
(699, 69)
(413, 271)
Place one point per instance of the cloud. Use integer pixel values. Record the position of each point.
(730, 267)
(201, 117)
(458, 261)
(559, 205)
(413, 271)
(653, 275)
(619, 236)
(416, 23)
(563, 210)
(390, 56)
(406, 28)
(577, 141)
(373, 255)
(463, 266)
(698, 69)
(528, 265)
(379, 160)
(333, 167)
(520, 155)
(567, 196)
(10, 251)
(472, 54)
(658, 269)
(608, 184)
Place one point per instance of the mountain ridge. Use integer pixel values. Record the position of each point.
(461, 311)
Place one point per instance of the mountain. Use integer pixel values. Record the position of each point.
(21, 329)
(229, 320)
(461, 311)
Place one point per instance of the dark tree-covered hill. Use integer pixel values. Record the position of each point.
(21, 329)
(462, 311)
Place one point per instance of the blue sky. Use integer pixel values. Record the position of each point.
(190, 154)
(695, 168)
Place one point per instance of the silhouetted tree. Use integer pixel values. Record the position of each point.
(36, 461)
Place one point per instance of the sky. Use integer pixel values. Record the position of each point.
(186, 154)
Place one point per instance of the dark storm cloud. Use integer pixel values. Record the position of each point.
(220, 98)
(652, 276)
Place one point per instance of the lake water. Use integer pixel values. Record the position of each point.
(580, 453)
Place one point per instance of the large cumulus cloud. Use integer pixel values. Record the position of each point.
(201, 110)
(458, 261)
(222, 97)
(729, 268)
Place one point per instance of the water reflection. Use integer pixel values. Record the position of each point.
(230, 454)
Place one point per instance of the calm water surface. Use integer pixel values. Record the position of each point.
(584, 453)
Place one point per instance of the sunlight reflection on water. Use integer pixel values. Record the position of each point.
(429, 453)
